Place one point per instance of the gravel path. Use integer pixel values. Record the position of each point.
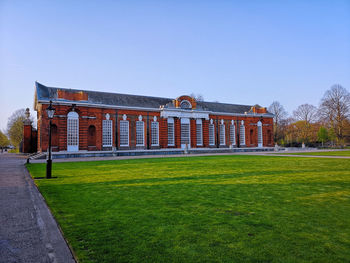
(28, 232)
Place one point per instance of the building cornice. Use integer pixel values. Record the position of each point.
(165, 112)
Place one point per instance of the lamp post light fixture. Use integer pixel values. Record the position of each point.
(50, 112)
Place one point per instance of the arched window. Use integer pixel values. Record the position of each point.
(185, 104)
(124, 131)
(211, 133)
(140, 132)
(232, 133)
(222, 133)
(242, 133)
(154, 132)
(72, 131)
(107, 132)
(260, 134)
(92, 136)
(199, 132)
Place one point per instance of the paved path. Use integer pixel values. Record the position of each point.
(28, 232)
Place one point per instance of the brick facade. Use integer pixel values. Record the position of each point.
(91, 117)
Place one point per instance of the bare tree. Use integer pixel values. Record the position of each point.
(280, 114)
(278, 110)
(335, 109)
(197, 97)
(306, 112)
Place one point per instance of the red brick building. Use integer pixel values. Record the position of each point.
(98, 121)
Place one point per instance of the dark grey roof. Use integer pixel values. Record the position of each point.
(96, 97)
(223, 107)
(45, 93)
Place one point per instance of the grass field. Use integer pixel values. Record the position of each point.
(203, 209)
(325, 153)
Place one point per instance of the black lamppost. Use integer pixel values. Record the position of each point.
(50, 112)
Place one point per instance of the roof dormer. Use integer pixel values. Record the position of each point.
(185, 102)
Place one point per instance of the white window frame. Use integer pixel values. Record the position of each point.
(171, 132)
(121, 124)
(185, 136)
(107, 133)
(222, 133)
(154, 132)
(140, 133)
(260, 134)
(242, 133)
(233, 133)
(199, 132)
(211, 133)
(73, 131)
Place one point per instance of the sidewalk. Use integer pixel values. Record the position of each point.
(28, 232)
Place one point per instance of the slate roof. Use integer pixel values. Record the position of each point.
(44, 93)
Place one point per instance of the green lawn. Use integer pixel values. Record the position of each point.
(203, 209)
(325, 153)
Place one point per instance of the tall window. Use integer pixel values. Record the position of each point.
(242, 133)
(124, 133)
(185, 132)
(140, 133)
(155, 133)
(222, 133)
(199, 132)
(260, 135)
(72, 131)
(171, 137)
(107, 138)
(211, 133)
(232, 133)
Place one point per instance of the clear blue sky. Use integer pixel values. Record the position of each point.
(243, 52)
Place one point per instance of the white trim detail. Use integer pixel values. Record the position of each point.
(184, 114)
(95, 105)
(124, 117)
